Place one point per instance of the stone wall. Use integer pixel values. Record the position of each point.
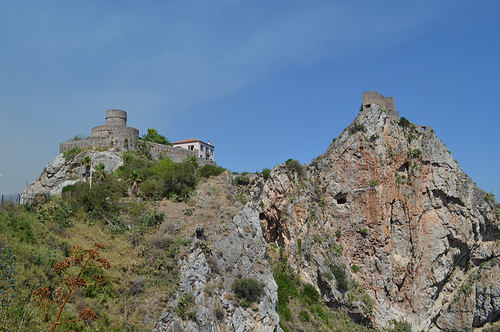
(81, 143)
(117, 136)
(177, 154)
(387, 103)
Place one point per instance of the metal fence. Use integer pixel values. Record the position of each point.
(16, 199)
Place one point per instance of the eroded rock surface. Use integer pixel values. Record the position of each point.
(388, 205)
(207, 276)
(61, 172)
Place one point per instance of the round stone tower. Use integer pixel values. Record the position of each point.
(115, 132)
(116, 117)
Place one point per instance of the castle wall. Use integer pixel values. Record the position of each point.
(115, 136)
(387, 103)
(177, 154)
(81, 143)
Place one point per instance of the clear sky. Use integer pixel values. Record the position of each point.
(264, 81)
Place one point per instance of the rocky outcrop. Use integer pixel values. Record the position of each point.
(62, 172)
(390, 228)
(205, 300)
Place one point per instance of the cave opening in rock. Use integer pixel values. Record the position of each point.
(341, 198)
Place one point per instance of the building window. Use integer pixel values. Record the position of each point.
(191, 147)
(201, 148)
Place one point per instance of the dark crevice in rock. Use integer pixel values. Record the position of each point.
(403, 168)
(445, 199)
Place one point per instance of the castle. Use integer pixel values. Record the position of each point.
(116, 135)
(387, 104)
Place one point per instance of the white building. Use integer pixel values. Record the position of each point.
(204, 150)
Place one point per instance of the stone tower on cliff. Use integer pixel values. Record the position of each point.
(385, 103)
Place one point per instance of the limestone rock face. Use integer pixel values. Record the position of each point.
(207, 275)
(388, 205)
(61, 172)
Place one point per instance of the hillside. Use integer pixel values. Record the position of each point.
(383, 231)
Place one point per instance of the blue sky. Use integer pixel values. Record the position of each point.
(264, 81)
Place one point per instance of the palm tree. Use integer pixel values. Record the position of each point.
(100, 172)
(87, 162)
(134, 180)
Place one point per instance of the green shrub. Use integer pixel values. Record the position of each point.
(404, 123)
(241, 180)
(355, 268)
(364, 231)
(184, 304)
(163, 165)
(266, 172)
(181, 176)
(399, 326)
(247, 290)
(356, 128)
(287, 288)
(71, 153)
(68, 189)
(309, 294)
(154, 137)
(294, 166)
(373, 183)
(208, 171)
(414, 153)
(304, 316)
(340, 276)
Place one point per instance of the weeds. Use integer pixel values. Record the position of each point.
(72, 271)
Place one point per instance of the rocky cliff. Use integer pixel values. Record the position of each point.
(63, 171)
(388, 227)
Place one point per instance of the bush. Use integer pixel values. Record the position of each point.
(266, 172)
(404, 123)
(241, 180)
(294, 166)
(247, 290)
(164, 165)
(304, 316)
(340, 277)
(71, 153)
(309, 294)
(399, 326)
(208, 171)
(414, 153)
(181, 176)
(154, 137)
(357, 127)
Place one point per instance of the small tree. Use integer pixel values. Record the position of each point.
(87, 162)
(247, 290)
(154, 137)
(100, 172)
(134, 180)
(72, 271)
